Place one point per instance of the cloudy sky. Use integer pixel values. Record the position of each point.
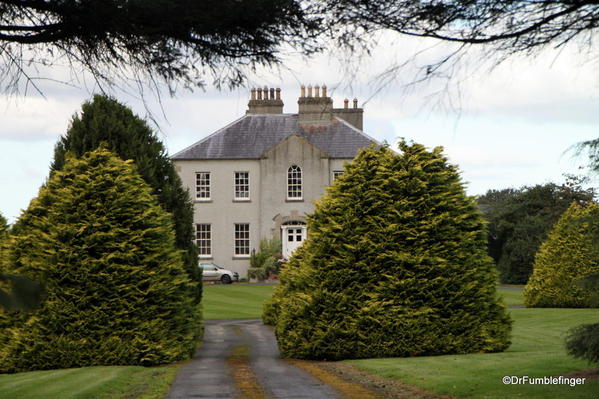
(505, 127)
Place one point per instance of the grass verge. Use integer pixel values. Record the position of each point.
(103, 382)
(512, 296)
(537, 351)
(235, 301)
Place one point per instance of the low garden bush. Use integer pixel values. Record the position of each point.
(265, 262)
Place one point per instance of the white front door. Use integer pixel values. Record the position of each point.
(292, 237)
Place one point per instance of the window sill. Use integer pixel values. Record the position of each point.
(294, 200)
(240, 257)
(205, 257)
(242, 200)
(203, 200)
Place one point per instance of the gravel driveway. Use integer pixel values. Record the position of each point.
(240, 359)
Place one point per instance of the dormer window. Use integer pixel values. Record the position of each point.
(294, 183)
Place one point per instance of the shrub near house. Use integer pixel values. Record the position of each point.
(395, 265)
(569, 254)
(116, 288)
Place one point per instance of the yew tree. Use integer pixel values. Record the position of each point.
(395, 264)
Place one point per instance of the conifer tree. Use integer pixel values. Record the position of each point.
(116, 292)
(3, 225)
(106, 121)
(568, 254)
(395, 264)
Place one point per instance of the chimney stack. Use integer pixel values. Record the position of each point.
(314, 111)
(318, 110)
(265, 101)
(354, 116)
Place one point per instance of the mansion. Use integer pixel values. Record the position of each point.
(258, 177)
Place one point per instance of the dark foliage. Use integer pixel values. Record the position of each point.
(509, 26)
(171, 40)
(3, 225)
(583, 341)
(104, 121)
(188, 42)
(23, 293)
(115, 289)
(395, 265)
(519, 221)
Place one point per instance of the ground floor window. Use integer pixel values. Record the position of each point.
(242, 239)
(204, 239)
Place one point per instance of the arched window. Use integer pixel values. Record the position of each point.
(294, 183)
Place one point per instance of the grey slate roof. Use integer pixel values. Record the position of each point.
(249, 136)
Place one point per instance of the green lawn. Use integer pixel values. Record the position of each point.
(235, 301)
(537, 350)
(512, 297)
(117, 382)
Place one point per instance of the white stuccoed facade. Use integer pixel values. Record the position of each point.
(259, 176)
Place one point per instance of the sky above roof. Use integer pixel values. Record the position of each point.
(507, 126)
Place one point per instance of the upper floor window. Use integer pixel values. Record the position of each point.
(242, 186)
(203, 185)
(337, 174)
(204, 239)
(294, 182)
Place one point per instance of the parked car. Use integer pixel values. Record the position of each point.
(213, 272)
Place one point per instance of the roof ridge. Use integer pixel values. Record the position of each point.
(357, 130)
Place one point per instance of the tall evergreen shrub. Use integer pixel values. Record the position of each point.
(395, 264)
(569, 254)
(106, 121)
(116, 292)
(519, 220)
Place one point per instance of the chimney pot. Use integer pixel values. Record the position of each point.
(259, 91)
(355, 103)
(310, 91)
(253, 91)
(278, 93)
(303, 91)
(324, 90)
(272, 93)
(346, 103)
(316, 91)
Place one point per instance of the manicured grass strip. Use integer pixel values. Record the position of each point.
(512, 297)
(115, 382)
(242, 373)
(537, 351)
(235, 301)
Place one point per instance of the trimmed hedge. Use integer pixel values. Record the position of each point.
(395, 264)
(104, 121)
(568, 254)
(116, 290)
